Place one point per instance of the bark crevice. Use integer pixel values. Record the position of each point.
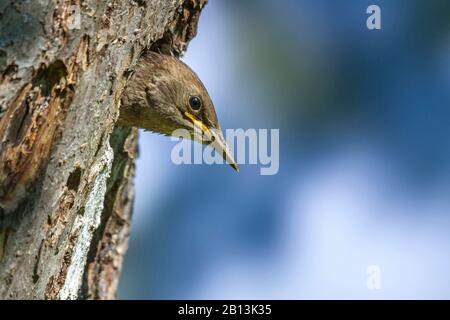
(66, 171)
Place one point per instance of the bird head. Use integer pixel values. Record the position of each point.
(164, 94)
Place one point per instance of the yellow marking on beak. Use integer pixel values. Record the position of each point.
(217, 142)
(196, 122)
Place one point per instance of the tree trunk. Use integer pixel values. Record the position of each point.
(66, 170)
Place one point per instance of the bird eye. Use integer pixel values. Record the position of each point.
(195, 103)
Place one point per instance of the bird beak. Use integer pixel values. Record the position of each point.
(215, 139)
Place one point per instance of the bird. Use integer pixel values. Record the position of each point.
(164, 94)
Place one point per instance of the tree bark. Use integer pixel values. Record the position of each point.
(66, 170)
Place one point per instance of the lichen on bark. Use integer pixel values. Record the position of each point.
(66, 170)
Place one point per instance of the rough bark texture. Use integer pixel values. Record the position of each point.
(66, 171)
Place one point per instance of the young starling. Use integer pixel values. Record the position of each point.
(164, 95)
